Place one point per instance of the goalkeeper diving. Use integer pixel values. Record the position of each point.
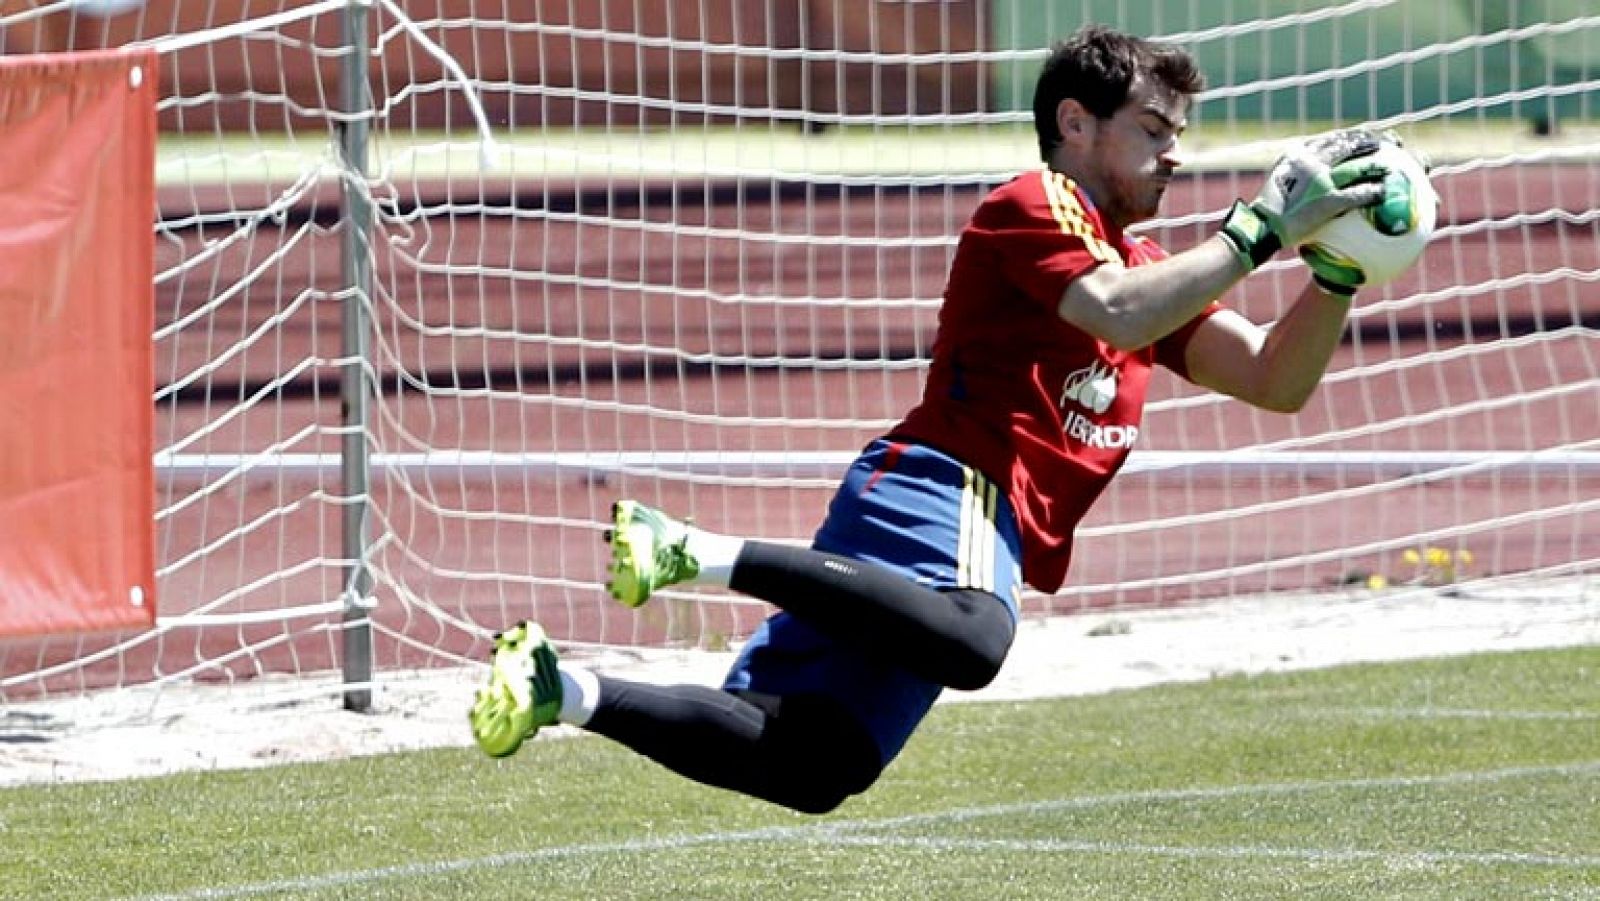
(1054, 317)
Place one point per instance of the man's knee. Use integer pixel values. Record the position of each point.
(986, 640)
(825, 784)
(827, 755)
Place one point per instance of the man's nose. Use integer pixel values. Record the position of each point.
(1173, 156)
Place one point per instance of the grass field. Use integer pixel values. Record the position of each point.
(1460, 778)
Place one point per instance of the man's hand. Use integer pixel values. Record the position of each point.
(1393, 215)
(1308, 186)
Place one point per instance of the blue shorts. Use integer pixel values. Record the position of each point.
(924, 515)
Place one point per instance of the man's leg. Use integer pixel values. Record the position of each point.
(929, 520)
(911, 588)
(804, 752)
(957, 638)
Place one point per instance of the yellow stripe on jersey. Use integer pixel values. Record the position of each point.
(1072, 218)
(975, 558)
(1053, 189)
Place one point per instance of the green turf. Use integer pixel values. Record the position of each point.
(1472, 777)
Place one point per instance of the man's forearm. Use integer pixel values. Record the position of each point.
(1299, 346)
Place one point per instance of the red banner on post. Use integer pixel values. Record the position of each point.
(77, 495)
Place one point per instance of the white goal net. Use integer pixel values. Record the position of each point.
(703, 265)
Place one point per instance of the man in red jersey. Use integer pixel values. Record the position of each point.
(1052, 321)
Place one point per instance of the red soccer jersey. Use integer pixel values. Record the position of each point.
(1032, 402)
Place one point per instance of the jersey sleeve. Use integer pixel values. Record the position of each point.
(1171, 350)
(1043, 237)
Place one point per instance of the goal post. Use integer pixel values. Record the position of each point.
(433, 291)
(355, 388)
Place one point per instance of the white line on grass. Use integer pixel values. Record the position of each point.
(1222, 791)
(1235, 852)
(516, 858)
(836, 831)
(1455, 713)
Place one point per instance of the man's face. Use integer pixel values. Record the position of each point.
(1132, 155)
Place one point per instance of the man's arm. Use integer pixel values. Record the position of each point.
(1134, 308)
(1275, 369)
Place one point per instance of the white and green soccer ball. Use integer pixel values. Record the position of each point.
(1382, 241)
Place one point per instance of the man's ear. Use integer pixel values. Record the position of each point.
(1075, 122)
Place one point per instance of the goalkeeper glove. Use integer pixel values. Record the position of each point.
(1392, 214)
(1331, 276)
(1308, 186)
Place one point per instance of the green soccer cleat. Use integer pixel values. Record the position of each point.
(648, 552)
(523, 692)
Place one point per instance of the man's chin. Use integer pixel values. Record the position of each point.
(1145, 214)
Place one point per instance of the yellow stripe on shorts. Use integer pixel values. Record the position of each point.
(991, 537)
(975, 560)
(963, 543)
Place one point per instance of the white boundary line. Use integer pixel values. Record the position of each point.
(837, 832)
(1452, 713)
(1230, 852)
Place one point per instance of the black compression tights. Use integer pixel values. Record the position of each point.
(800, 751)
(955, 638)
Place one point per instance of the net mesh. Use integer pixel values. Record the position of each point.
(704, 268)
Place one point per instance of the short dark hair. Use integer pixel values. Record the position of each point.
(1097, 67)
